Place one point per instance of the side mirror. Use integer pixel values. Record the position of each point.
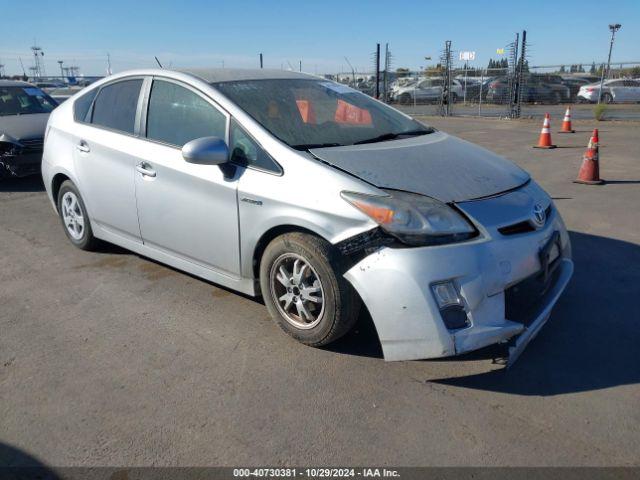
(206, 151)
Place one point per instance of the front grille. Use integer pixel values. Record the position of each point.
(523, 227)
(33, 144)
(524, 300)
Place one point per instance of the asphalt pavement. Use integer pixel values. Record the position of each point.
(109, 358)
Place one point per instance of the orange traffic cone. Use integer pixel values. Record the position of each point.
(590, 170)
(545, 134)
(566, 122)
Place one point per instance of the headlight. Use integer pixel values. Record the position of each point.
(413, 219)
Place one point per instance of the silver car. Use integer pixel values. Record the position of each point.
(613, 91)
(315, 196)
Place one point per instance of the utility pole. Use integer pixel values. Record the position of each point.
(24, 73)
(353, 72)
(60, 62)
(260, 60)
(38, 67)
(614, 27)
(385, 81)
(377, 89)
(108, 64)
(300, 66)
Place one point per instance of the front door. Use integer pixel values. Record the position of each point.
(186, 210)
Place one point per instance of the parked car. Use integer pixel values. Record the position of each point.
(316, 197)
(24, 111)
(613, 91)
(559, 91)
(535, 89)
(574, 84)
(474, 86)
(426, 90)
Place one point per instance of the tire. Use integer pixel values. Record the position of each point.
(607, 97)
(338, 310)
(405, 99)
(454, 97)
(74, 217)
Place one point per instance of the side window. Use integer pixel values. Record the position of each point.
(245, 151)
(116, 104)
(82, 105)
(177, 115)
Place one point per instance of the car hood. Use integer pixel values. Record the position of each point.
(20, 127)
(437, 165)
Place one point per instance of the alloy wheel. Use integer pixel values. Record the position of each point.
(72, 215)
(297, 291)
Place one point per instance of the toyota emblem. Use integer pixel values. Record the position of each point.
(539, 215)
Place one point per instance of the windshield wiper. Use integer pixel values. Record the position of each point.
(309, 146)
(391, 136)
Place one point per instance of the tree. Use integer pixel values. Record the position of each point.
(562, 69)
(592, 70)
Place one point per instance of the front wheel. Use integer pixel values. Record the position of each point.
(74, 217)
(607, 98)
(405, 99)
(304, 290)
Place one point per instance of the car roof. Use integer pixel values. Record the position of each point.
(218, 75)
(14, 83)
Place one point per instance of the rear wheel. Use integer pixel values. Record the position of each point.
(405, 99)
(607, 97)
(304, 290)
(74, 217)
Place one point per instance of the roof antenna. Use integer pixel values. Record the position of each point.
(158, 62)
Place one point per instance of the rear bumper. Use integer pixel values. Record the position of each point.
(395, 285)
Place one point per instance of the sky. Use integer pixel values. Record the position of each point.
(319, 33)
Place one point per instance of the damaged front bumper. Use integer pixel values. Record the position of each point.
(17, 160)
(395, 285)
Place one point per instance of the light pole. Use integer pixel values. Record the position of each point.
(614, 27)
(60, 62)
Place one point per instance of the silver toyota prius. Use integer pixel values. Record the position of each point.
(315, 196)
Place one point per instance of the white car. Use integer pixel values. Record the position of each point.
(613, 91)
(429, 89)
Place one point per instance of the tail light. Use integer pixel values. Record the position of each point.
(494, 85)
(590, 89)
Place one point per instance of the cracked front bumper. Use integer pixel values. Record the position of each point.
(395, 285)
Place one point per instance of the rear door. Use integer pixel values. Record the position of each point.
(633, 88)
(618, 90)
(104, 141)
(186, 210)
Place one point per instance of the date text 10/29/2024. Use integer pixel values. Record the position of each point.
(315, 473)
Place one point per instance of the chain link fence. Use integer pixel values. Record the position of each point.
(514, 89)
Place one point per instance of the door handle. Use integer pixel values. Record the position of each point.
(145, 169)
(83, 147)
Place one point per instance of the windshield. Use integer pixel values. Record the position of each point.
(24, 100)
(315, 113)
